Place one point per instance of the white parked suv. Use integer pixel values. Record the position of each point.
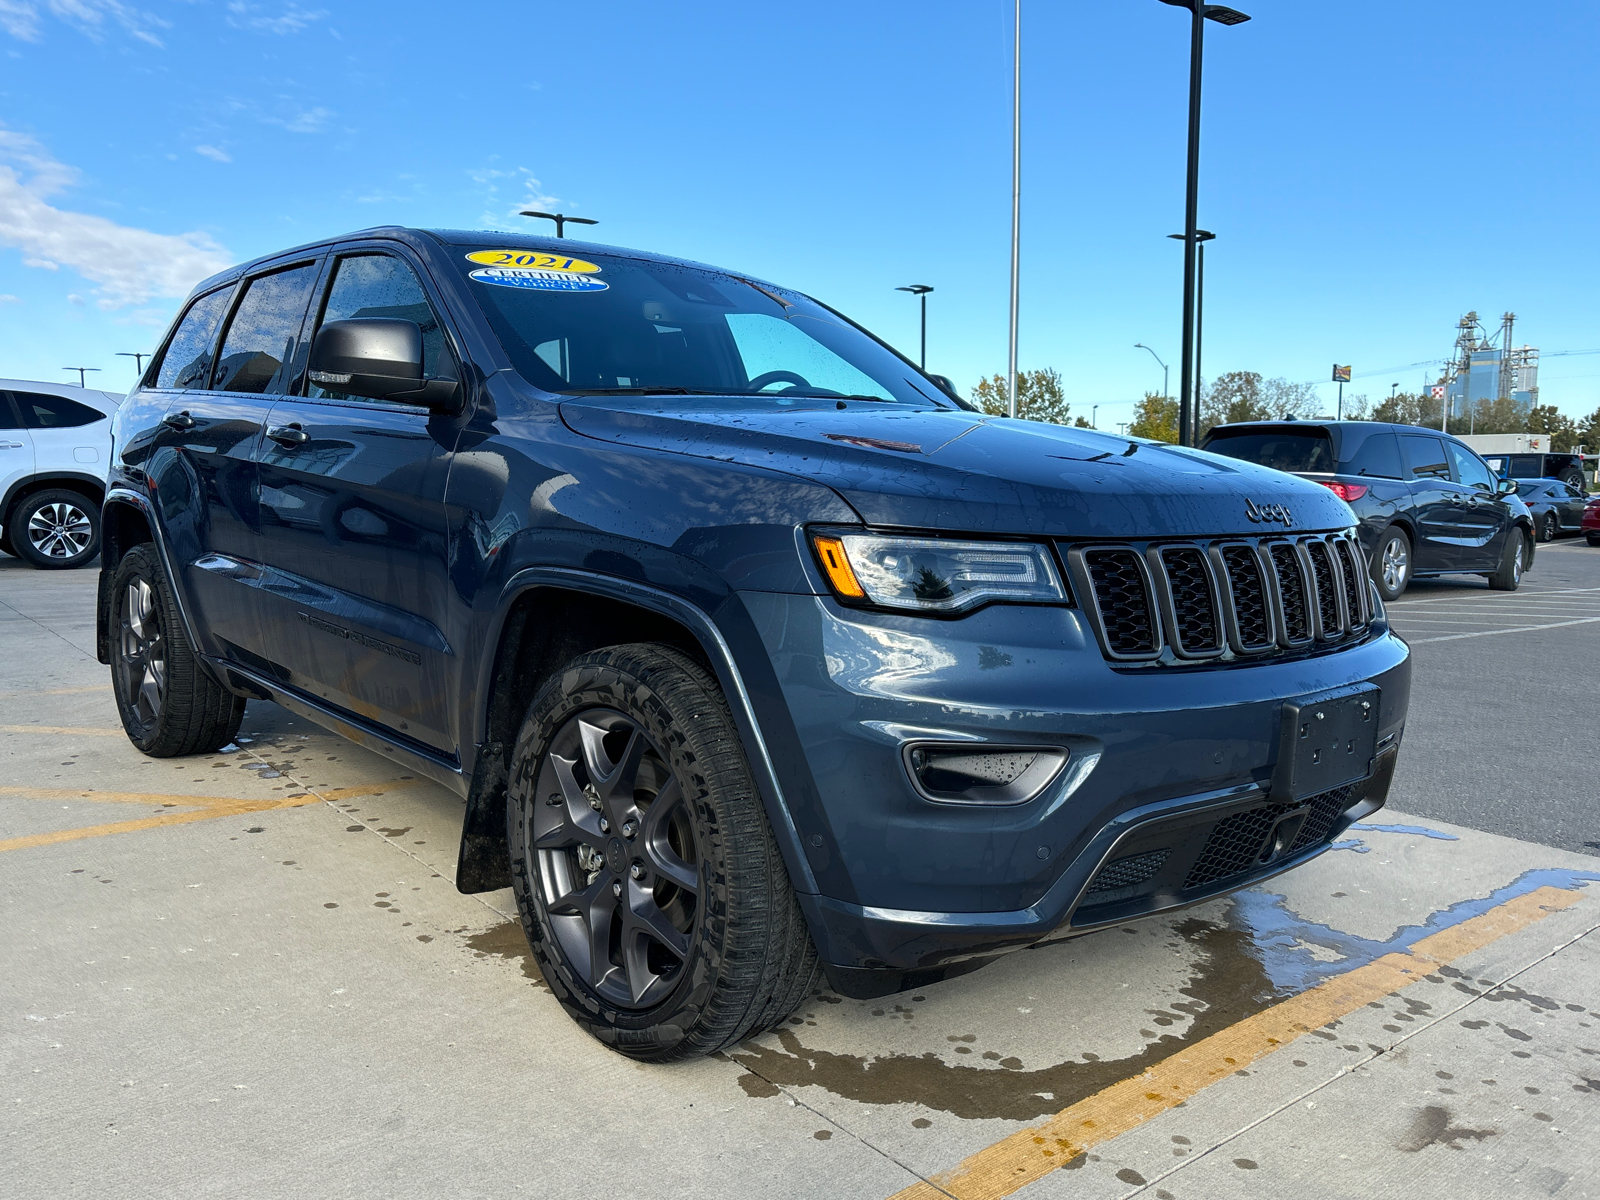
(55, 444)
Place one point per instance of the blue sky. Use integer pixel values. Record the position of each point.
(1372, 170)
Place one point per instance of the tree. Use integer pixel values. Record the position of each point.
(1496, 416)
(1410, 408)
(1039, 397)
(1246, 396)
(1589, 433)
(1156, 417)
(1563, 431)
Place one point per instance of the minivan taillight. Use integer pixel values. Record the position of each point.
(1345, 491)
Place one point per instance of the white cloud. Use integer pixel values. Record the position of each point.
(311, 120)
(128, 266)
(8, 298)
(74, 298)
(213, 153)
(291, 20)
(496, 213)
(20, 18)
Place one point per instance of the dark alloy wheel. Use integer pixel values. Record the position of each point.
(1549, 527)
(55, 529)
(169, 704)
(650, 885)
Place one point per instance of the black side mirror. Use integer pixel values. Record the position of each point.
(1504, 487)
(944, 382)
(379, 358)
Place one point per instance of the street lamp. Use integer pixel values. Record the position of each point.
(921, 290)
(561, 220)
(1201, 236)
(1094, 415)
(1016, 206)
(80, 371)
(1164, 392)
(138, 359)
(1201, 12)
(1393, 388)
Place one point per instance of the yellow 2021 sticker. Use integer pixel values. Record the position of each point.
(535, 259)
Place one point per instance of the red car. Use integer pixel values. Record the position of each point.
(1591, 521)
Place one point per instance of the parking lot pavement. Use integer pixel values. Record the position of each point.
(249, 974)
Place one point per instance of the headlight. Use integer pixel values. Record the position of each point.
(934, 575)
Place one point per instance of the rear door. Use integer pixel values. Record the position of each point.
(1435, 501)
(69, 438)
(1482, 516)
(1569, 505)
(16, 451)
(353, 524)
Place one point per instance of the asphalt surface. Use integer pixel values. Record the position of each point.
(1502, 730)
(249, 974)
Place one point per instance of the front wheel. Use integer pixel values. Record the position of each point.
(1391, 564)
(650, 885)
(168, 703)
(1509, 575)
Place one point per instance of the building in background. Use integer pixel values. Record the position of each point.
(1490, 368)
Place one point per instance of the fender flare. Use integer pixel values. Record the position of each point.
(46, 479)
(483, 825)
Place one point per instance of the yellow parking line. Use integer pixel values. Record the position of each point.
(80, 730)
(1030, 1154)
(71, 691)
(203, 808)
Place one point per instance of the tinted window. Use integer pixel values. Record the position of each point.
(1470, 469)
(1281, 449)
(1570, 492)
(187, 361)
(8, 415)
(1378, 454)
(1528, 490)
(1527, 466)
(261, 336)
(1424, 456)
(43, 411)
(379, 285)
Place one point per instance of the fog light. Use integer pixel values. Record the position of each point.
(968, 773)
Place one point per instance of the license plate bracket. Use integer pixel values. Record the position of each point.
(1328, 740)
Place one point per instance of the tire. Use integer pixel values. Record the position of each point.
(1592, 538)
(54, 529)
(710, 946)
(1573, 476)
(1549, 527)
(169, 704)
(1509, 576)
(1391, 564)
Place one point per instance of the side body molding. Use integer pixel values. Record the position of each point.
(482, 865)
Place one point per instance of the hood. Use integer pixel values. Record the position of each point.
(965, 472)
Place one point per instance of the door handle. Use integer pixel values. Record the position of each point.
(10, 445)
(180, 421)
(289, 435)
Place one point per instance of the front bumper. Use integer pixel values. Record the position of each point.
(908, 886)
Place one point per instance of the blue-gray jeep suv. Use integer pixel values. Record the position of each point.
(756, 654)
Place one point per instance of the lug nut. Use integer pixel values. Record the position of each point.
(594, 796)
(616, 888)
(629, 828)
(605, 825)
(636, 871)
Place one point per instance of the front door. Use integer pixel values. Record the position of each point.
(1435, 501)
(353, 545)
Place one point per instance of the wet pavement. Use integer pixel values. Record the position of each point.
(249, 974)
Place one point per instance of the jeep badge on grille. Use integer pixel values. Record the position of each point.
(1268, 512)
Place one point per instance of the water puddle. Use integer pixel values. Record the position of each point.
(507, 941)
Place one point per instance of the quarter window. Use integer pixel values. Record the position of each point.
(1424, 456)
(380, 285)
(261, 335)
(187, 361)
(1377, 455)
(43, 411)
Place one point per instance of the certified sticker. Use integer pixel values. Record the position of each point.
(539, 281)
(536, 259)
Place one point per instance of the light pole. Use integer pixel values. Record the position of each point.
(138, 359)
(1201, 236)
(1094, 415)
(1393, 388)
(1016, 203)
(1201, 12)
(1164, 392)
(80, 371)
(921, 290)
(561, 220)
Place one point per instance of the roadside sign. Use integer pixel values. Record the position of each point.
(1437, 391)
(1341, 374)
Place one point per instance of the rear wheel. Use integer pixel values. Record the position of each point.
(168, 703)
(1391, 564)
(1573, 476)
(650, 885)
(54, 529)
(1549, 527)
(1509, 577)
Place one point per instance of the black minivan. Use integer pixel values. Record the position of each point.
(1426, 503)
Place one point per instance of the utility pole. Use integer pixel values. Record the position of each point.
(561, 220)
(1016, 203)
(80, 371)
(138, 360)
(921, 290)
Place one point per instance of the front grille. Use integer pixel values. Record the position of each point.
(1123, 601)
(1207, 600)
(1127, 872)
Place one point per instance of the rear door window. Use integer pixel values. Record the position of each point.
(1309, 450)
(40, 410)
(1376, 455)
(1527, 466)
(8, 415)
(187, 361)
(1424, 456)
(261, 336)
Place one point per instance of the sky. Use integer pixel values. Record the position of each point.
(1372, 170)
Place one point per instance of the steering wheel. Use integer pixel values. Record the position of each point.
(789, 377)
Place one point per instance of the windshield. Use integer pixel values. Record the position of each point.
(1282, 449)
(608, 325)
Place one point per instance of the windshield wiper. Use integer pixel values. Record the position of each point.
(773, 296)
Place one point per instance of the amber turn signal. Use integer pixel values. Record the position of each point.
(830, 552)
